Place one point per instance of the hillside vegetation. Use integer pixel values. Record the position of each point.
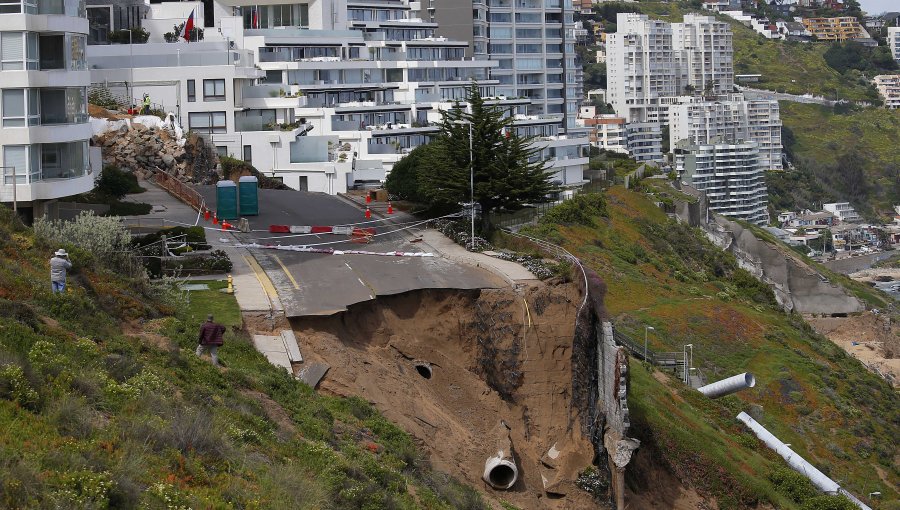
(849, 156)
(103, 404)
(809, 393)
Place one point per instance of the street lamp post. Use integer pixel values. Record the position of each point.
(688, 362)
(646, 330)
(471, 178)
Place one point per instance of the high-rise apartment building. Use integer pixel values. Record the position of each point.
(640, 67)
(703, 49)
(45, 133)
(533, 42)
(652, 62)
(730, 175)
(731, 120)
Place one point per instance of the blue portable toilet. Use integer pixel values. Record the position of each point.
(226, 200)
(248, 192)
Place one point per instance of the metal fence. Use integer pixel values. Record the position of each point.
(181, 190)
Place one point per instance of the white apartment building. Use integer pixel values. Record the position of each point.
(843, 211)
(640, 67)
(893, 41)
(731, 120)
(323, 94)
(650, 63)
(45, 133)
(888, 86)
(731, 176)
(704, 55)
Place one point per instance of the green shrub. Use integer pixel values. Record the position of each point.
(120, 208)
(116, 183)
(828, 503)
(581, 209)
(792, 484)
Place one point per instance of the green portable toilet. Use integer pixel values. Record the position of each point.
(226, 200)
(248, 189)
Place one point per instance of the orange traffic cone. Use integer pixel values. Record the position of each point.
(390, 208)
(368, 213)
(215, 219)
(226, 225)
(368, 198)
(206, 215)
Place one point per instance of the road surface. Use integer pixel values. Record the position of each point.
(322, 284)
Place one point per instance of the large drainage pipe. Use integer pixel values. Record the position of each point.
(798, 463)
(500, 472)
(728, 386)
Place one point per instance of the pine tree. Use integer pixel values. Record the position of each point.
(508, 169)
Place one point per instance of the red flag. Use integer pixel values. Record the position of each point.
(188, 27)
(255, 23)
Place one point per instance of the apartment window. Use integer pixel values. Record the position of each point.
(17, 112)
(207, 122)
(100, 23)
(213, 90)
(222, 150)
(192, 91)
(18, 51)
(248, 154)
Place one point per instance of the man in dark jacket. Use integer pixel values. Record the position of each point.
(211, 338)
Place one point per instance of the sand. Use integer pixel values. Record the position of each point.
(876, 346)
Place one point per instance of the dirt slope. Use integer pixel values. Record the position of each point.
(524, 379)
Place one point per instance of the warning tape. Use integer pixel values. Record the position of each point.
(309, 229)
(331, 251)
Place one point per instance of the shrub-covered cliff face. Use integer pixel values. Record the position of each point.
(809, 393)
(104, 405)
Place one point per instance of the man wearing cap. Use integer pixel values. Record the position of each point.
(59, 264)
(211, 338)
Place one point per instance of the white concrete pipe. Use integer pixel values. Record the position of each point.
(728, 386)
(500, 472)
(798, 463)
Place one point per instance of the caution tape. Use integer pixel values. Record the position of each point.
(320, 229)
(331, 251)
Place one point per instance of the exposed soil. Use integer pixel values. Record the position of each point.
(658, 488)
(490, 358)
(876, 345)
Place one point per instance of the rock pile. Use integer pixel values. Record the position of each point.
(137, 148)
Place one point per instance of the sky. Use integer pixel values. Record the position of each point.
(879, 6)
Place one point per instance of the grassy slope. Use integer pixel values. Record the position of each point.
(822, 137)
(93, 418)
(795, 68)
(834, 412)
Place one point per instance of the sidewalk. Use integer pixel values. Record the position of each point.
(512, 272)
(164, 206)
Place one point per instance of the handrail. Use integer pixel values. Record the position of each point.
(180, 190)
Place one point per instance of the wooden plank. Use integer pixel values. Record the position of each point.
(290, 344)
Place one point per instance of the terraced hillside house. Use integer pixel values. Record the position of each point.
(44, 136)
(839, 29)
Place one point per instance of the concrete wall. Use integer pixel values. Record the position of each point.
(797, 286)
